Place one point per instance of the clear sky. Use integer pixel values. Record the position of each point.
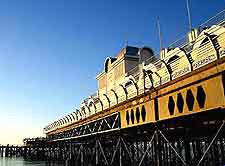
(51, 51)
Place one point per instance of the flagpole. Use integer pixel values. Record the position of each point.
(189, 14)
(159, 33)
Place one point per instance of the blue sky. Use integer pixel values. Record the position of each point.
(51, 51)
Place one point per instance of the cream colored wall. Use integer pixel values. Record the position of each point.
(112, 81)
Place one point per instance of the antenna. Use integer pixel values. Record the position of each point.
(159, 32)
(189, 14)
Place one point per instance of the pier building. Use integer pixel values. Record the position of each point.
(149, 109)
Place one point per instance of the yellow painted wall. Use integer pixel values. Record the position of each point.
(150, 116)
(214, 98)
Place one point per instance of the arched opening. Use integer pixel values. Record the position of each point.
(83, 111)
(76, 116)
(99, 104)
(115, 95)
(148, 82)
(128, 83)
(107, 99)
(67, 119)
(207, 39)
(108, 62)
(70, 118)
(131, 87)
(172, 59)
(92, 106)
(121, 92)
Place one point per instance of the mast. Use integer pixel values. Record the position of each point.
(189, 14)
(159, 33)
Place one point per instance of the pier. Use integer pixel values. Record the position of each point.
(197, 143)
(163, 111)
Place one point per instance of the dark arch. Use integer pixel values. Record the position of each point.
(98, 99)
(128, 83)
(91, 102)
(58, 124)
(62, 122)
(107, 98)
(70, 117)
(67, 119)
(76, 115)
(73, 116)
(160, 78)
(114, 92)
(148, 74)
(208, 37)
(109, 60)
(85, 105)
(53, 125)
(79, 111)
(131, 81)
(168, 69)
(189, 58)
(173, 58)
(204, 41)
(124, 89)
(83, 110)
